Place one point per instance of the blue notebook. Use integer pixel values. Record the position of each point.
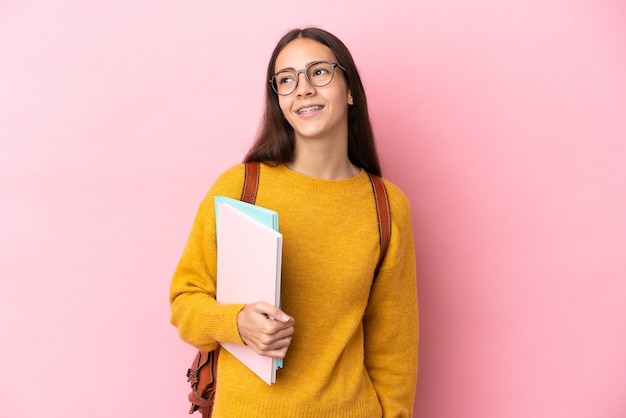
(261, 214)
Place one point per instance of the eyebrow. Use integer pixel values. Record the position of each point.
(307, 64)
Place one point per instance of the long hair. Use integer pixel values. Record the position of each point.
(275, 140)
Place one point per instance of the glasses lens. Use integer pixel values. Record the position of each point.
(285, 82)
(320, 73)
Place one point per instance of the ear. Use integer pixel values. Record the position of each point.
(350, 99)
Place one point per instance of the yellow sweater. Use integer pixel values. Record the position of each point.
(354, 350)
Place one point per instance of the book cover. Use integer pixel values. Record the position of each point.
(249, 256)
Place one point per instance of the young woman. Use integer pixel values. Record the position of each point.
(348, 336)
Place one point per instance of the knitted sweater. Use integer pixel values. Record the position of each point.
(354, 349)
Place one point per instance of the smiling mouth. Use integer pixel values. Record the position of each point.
(309, 109)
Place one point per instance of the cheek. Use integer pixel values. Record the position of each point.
(284, 105)
(340, 100)
(338, 94)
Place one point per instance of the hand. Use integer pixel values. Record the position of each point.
(266, 329)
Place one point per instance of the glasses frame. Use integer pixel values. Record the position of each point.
(305, 71)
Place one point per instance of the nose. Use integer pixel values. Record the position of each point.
(303, 88)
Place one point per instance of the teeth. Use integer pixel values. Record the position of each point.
(309, 109)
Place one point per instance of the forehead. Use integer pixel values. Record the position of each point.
(302, 51)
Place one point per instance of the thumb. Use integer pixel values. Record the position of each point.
(272, 312)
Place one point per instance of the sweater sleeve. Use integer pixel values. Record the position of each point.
(391, 318)
(202, 321)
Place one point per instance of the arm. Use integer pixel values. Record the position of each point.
(202, 321)
(391, 321)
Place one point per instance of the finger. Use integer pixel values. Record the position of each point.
(280, 353)
(277, 352)
(269, 342)
(274, 349)
(275, 329)
(282, 334)
(283, 344)
(272, 312)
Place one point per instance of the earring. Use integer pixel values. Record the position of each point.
(350, 100)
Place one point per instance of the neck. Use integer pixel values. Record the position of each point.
(322, 159)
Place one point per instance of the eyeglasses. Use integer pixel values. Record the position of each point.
(318, 74)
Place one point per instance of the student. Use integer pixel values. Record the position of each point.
(348, 339)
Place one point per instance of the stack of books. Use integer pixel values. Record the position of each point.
(249, 255)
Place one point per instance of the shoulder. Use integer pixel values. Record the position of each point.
(398, 202)
(229, 182)
(401, 218)
(401, 247)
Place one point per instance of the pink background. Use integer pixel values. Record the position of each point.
(504, 122)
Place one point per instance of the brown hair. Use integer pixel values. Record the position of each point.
(275, 140)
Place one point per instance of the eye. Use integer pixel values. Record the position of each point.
(318, 70)
(285, 78)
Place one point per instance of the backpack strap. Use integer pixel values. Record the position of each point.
(251, 185)
(384, 216)
(251, 182)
